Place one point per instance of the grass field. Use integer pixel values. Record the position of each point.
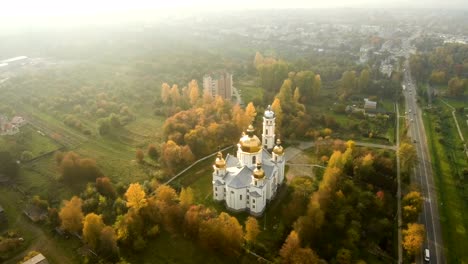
(447, 161)
(249, 91)
(28, 140)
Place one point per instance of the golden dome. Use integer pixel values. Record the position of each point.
(250, 142)
(278, 149)
(220, 162)
(258, 172)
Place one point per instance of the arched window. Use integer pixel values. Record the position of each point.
(254, 159)
(266, 131)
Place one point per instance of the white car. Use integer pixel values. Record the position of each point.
(427, 256)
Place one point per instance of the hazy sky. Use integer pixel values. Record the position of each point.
(41, 8)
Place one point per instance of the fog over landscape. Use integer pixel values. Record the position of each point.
(248, 131)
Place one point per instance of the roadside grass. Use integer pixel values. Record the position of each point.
(454, 222)
(461, 117)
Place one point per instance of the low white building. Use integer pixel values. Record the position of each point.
(250, 180)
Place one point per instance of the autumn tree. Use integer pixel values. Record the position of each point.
(408, 157)
(175, 95)
(258, 59)
(71, 215)
(74, 168)
(304, 256)
(92, 227)
(171, 213)
(193, 218)
(276, 108)
(413, 238)
(251, 230)
(290, 246)
(186, 197)
(108, 243)
(250, 112)
(136, 197)
(140, 156)
(223, 232)
(152, 152)
(412, 206)
(194, 92)
(165, 92)
(240, 118)
(104, 186)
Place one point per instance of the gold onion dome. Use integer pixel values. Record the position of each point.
(220, 162)
(258, 172)
(250, 142)
(278, 149)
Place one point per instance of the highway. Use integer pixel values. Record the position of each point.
(423, 175)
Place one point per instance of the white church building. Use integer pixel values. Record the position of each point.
(251, 179)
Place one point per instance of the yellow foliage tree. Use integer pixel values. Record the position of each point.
(251, 229)
(186, 197)
(413, 238)
(71, 215)
(276, 108)
(194, 93)
(407, 155)
(291, 245)
(92, 227)
(250, 112)
(136, 196)
(165, 92)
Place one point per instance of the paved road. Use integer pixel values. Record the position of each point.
(423, 174)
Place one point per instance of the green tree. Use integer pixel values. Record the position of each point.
(364, 79)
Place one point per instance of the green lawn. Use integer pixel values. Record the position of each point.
(28, 140)
(447, 161)
(249, 91)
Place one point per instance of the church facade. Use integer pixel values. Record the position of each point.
(249, 180)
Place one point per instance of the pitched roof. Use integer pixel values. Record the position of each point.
(241, 179)
(38, 259)
(255, 194)
(217, 182)
(231, 161)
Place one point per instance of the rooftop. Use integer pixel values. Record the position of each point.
(38, 259)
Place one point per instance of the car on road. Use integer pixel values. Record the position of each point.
(427, 255)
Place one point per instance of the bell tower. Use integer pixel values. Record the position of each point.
(268, 135)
